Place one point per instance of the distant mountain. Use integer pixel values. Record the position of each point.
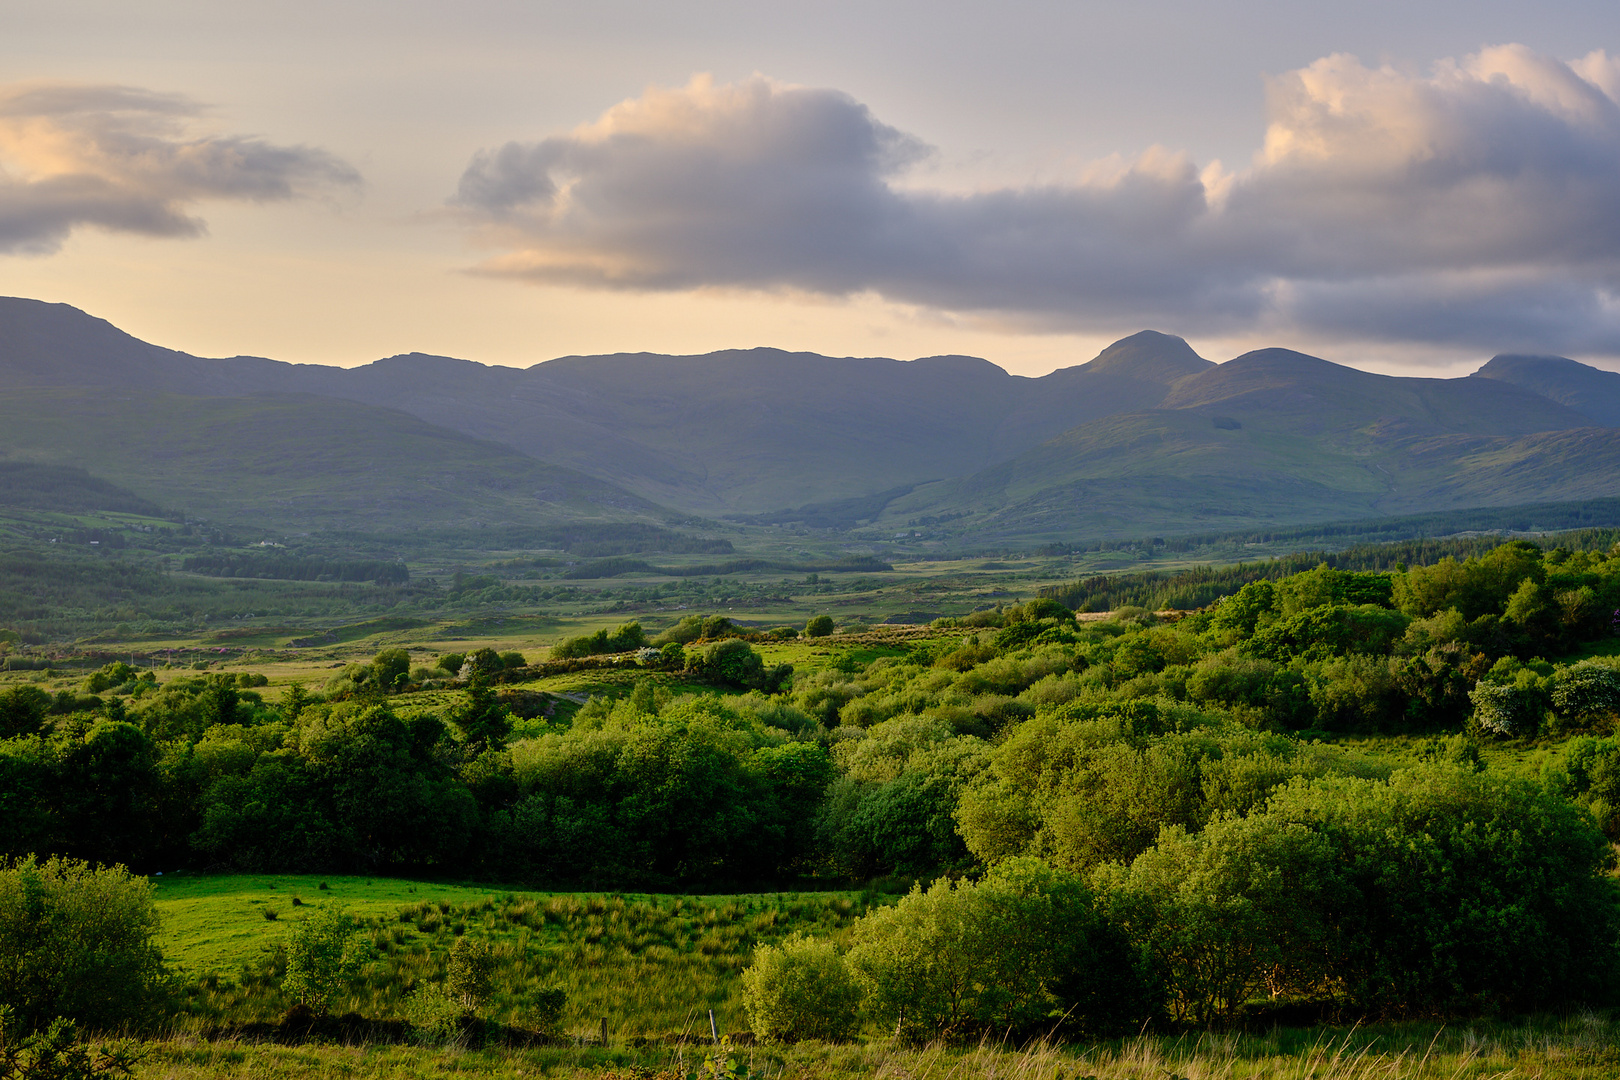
(1277, 436)
(1588, 389)
(1148, 436)
(739, 430)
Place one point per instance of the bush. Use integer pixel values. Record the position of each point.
(696, 628)
(472, 967)
(322, 954)
(57, 1053)
(1443, 891)
(76, 942)
(1006, 955)
(800, 989)
(735, 662)
(819, 626)
(626, 638)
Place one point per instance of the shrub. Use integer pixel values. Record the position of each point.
(472, 966)
(819, 626)
(626, 638)
(322, 954)
(76, 942)
(57, 1053)
(1007, 954)
(800, 989)
(735, 662)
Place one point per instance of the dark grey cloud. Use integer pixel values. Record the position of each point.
(125, 159)
(1478, 203)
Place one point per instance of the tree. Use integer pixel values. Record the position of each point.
(391, 669)
(734, 661)
(1586, 693)
(23, 710)
(322, 954)
(76, 941)
(57, 1054)
(818, 626)
(482, 664)
(800, 989)
(481, 718)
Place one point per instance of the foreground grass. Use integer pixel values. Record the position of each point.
(1571, 1048)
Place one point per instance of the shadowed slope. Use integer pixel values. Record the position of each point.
(1590, 390)
(298, 462)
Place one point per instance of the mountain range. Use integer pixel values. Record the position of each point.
(1146, 437)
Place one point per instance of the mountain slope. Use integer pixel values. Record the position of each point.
(1588, 389)
(1278, 436)
(742, 430)
(298, 462)
(1148, 436)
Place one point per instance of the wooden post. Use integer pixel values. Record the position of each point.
(604, 1032)
(713, 1032)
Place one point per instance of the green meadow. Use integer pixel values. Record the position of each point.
(650, 965)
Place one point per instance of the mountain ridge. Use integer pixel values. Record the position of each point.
(1146, 436)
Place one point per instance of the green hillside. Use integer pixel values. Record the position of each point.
(1590, 390)
(1280, 437)
(1147, 438)
(298, 462)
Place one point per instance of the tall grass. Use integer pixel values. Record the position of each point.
(1567, 1048)
(648, 966)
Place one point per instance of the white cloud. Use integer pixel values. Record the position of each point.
(1478, 204)
(125, 159)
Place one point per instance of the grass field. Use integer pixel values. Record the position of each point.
(648, 964)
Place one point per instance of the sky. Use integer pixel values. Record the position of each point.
(1404, 188)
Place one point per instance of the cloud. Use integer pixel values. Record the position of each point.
(1478, 204)
(125, 159)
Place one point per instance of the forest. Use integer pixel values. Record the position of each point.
(1287, 801)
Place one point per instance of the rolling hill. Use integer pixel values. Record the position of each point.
(741, 430)
(1147, 437)
(1274, 436)
(296, 462)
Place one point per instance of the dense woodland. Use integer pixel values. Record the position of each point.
(1171, 781)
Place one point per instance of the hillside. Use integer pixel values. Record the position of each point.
(1148, 437)
(740, 430)
(1587, 389)
(297, 462)
(1276, 436)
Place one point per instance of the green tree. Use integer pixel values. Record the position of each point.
(391, 669)
(818, 626)
(76, 941)
(57, 1053)
(323, 953)
(23, 710)
(1586, 694)
(484, 722)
